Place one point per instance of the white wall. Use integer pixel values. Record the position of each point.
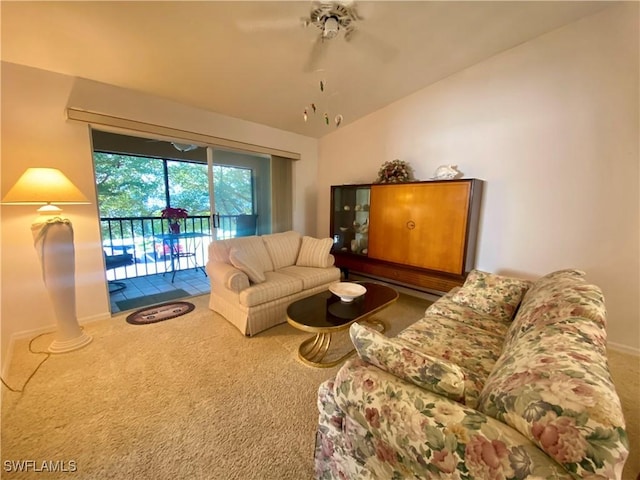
(35, 132)
(552, 127)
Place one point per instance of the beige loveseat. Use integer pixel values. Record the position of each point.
(501, 379)
(254, 279)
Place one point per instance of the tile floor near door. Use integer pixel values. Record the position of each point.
(192, 281)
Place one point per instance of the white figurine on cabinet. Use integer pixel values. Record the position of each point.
(446, 172)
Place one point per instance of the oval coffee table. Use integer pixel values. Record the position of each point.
(324, 314)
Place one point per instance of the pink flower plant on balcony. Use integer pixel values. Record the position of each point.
(174, 215)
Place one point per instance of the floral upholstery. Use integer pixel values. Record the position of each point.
(545, 404)
(393, 430)
(553, 385)
(399, 358)
(445, 307)
(468, 346)
(556, 296)
(495, 295)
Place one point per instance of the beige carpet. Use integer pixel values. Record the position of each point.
(188, 398)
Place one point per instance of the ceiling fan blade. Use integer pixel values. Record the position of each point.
(372, 44)
(269, 24)
(317, 52)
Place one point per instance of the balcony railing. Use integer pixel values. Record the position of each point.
(154, 249)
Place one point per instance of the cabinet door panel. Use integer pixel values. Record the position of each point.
(423, 225)
(390, 207)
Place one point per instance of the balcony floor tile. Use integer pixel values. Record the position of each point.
(192, 281)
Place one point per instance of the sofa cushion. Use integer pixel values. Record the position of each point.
(275, 287)
(283, 248)
(495, 295)
(314, 252)
(465, 345)
(554, 387)
(406, 432)
(570, 274)
(246, 261)
(552, 381)
(554, 297)
(402, 360)
(312, 277)
(219, 250)
(445, 307)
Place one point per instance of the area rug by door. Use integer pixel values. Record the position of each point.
(158, 313)
(153, 299)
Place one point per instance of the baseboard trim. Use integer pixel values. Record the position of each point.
(39, 331)
(52, 328)
(402, 288)
(6, 360)
(618, 347)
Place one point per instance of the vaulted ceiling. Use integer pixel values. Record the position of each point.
(257, 61)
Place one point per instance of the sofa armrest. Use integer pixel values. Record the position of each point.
(331, 261)
(227, 276)
(420, 431)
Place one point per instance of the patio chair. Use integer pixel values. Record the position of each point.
(246, 225)
(115, 261)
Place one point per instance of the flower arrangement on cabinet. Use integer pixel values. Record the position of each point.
(395, 171)
(174, 215)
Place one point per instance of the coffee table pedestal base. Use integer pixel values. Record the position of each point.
(313, 350)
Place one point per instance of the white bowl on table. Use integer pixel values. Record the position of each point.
(347, 291)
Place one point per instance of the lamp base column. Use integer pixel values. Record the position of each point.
(63, 346)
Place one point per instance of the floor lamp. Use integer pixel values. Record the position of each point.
(53, 240)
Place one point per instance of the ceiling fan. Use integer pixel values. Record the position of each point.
(330, 17)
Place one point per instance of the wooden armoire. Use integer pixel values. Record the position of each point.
(418, 234)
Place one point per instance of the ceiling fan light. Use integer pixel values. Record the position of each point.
(183, 147)
(331, 27)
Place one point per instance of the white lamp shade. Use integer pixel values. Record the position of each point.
(44, 186)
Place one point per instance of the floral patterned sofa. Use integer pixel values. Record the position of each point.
(501, 379)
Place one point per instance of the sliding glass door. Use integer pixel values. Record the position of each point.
(224, 194)
(241, 193)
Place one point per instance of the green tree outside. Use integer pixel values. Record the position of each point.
(130, 186)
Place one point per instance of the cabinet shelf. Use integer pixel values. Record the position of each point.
(350, 205)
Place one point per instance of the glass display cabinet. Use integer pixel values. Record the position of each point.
(350, 218)
(417, 234)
